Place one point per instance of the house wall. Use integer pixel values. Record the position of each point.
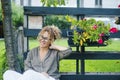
(87, 3)
(105, 3)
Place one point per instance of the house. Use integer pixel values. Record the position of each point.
(36, 21)
(73, 3)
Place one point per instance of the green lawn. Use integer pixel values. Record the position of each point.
(91, 65)
(2, 58)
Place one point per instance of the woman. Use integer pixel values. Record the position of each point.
(43, 61)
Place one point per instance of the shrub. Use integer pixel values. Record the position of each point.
(58, 21)
(17, 15)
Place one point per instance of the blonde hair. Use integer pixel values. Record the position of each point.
(55, 32)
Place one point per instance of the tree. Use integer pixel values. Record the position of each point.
(9, 36)
(59, 21)
(17, 15)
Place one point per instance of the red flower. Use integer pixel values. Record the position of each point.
(119, 6)
(95, 27)
(100, 41)
(113, 30)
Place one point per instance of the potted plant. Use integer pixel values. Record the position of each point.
(90, 32)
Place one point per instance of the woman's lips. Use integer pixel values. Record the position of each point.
(42, 43)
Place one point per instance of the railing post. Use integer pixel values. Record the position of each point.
(82, 51)
(82, 60)
(77, 61)
(77, 49)
(26, 45)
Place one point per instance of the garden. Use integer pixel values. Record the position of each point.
(70, 65)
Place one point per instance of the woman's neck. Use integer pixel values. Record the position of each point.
(45, 49)
(43, 52)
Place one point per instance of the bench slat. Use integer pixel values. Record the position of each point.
(90, 77)
(94, 55)
(71, 11)
(34, 32)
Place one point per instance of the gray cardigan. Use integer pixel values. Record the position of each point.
(50, 64)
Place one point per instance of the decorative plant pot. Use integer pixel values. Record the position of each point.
(88, 42)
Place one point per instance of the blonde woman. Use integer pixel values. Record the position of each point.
(43, 61)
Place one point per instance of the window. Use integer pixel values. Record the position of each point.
(98, 3)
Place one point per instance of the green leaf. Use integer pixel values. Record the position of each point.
(54, 3)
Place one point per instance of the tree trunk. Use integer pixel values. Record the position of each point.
(11, 54)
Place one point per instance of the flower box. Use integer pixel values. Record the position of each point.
(87, 43)
(90, 32)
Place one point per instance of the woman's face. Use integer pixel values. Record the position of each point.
(45, 40)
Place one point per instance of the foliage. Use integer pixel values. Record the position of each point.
(17, 15)
(3, 63)
(0, 12)
(90, 31)
(54, 3)
(59, 21)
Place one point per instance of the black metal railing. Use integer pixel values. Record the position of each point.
(80, 55)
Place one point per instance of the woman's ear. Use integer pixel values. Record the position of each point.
(50, 45)
(51, 42)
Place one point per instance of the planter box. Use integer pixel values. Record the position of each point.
(88, 42)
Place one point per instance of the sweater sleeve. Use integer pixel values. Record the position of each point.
(65, 53)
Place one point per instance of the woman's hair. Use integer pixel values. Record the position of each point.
(54, 32)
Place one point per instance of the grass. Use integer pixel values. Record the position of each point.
(2, 58)
(2, 45)
(91, 65)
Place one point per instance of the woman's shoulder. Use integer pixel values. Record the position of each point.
(34, 50)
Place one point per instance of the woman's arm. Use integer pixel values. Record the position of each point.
(59, 48)
(62, 51)
(27, 62)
